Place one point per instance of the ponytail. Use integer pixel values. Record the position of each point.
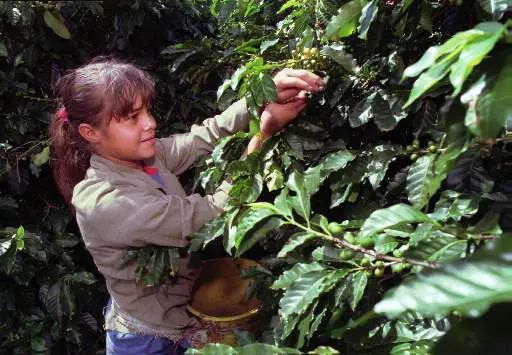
(70, 155)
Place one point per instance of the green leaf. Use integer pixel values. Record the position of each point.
(290, 276)
(428, 79)
(436, 246)
(82, 277)
(324, 350)
(304, 326)
(358, 284)
(300, 202)
(246, 190)
(207, 233)
(315, 176)
(381, 157)
(428, 58)
(268, 87)
(493, 109)
(267, 44)
(294, 242)
(257, 233)
(338, 53)
(248, 221)
(55, 22)
(362, 113)
(3, 50)
(422, 347)
(42, 157)
(454, 205)
(454, 286)
(472, 54)
(368, 15)
(418, 181)
(496, 7)
(306, 289)
(390, 217)
(345, 23)
(384, 243)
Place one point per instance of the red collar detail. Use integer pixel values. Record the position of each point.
(150, 170)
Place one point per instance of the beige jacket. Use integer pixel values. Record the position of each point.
(118, 207)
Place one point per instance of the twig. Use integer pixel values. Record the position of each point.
(343, 244)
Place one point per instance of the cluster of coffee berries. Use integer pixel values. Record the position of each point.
(309, 58)
(414, 149)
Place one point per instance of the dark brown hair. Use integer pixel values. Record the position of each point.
(94, 93)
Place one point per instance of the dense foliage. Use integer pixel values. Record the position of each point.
(379, 217)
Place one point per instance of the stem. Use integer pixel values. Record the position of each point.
(343, 244)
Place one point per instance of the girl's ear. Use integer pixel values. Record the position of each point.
(89, 133)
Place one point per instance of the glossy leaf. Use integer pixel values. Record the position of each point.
(495, 6)
(290, 276)
(473, 54)
(368, 15)
(300, 202)
(418, 181)
(358, 283)
(294, 242)
(345, 23)
(248, 221)
(54, 21)
(338, 53)
(258, 233)
(454, 288)
(390, 217)
(306, 289)
(493, 109)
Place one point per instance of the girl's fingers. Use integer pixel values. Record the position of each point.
(313, 80)
(287, 94)
(290, 82)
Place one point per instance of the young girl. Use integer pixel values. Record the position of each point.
(122, 184)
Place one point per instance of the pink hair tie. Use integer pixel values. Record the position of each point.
(63, 116)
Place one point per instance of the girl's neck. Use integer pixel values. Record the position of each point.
(138, 165)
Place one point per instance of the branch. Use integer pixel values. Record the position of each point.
(343, 244)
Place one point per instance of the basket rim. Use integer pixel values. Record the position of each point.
(222, 319)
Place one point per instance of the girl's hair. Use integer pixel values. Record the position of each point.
(94, 93)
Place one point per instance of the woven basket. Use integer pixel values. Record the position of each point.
(218, 299)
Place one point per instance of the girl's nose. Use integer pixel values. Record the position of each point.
(148, 122)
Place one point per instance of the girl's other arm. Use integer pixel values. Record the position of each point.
(179, 152)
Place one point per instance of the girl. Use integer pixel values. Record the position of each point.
(122, 184)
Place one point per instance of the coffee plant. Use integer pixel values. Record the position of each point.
(380, 217)
(382, 212)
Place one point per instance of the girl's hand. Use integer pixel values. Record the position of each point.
(290, 83)
(275, 116)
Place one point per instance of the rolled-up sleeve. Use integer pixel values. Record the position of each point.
(179, 152)
(130, 217)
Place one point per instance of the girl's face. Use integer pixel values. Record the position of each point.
(130, 139)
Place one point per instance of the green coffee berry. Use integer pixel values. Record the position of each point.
(346, 254)
(379, 264)
(378, 272)
(365, 262)
(397, 253)
(366, 242)
(349, 238)
(335, 229)
(414, 157)
(397, 268)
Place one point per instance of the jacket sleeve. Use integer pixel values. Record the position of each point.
(130, 217)
(179, 152)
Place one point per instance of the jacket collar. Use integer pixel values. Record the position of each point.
(122, 175)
